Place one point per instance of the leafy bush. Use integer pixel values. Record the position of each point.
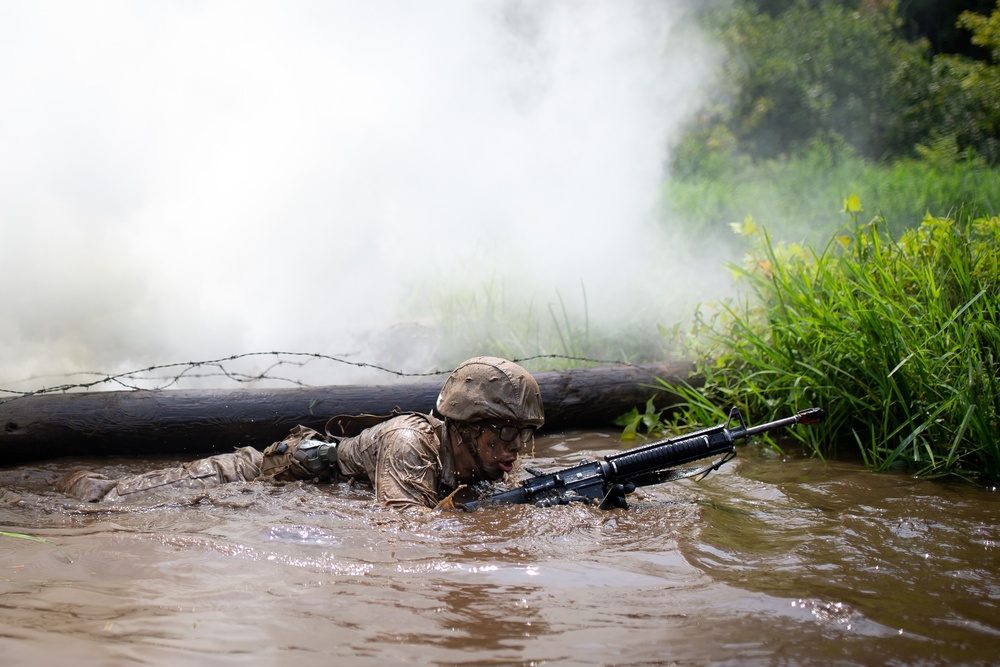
(898, 340)
(824, 71)
(810, 72)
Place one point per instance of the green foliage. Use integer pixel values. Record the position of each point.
(898, 340)
(951, 97)
(841, 73)
(937, 22)
(634, 421)
(985, 30)
(792, 196)
(982, 80)
(811, 72)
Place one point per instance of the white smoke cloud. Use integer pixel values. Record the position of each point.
(191, 180)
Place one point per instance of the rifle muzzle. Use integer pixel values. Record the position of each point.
(811, 416)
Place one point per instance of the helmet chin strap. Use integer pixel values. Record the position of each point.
(470, 445)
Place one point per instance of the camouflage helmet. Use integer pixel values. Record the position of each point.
(491, 388)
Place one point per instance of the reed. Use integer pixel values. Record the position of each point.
(896, 338)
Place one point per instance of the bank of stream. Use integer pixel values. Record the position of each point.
(771, 560)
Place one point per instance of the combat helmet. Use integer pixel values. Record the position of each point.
(485, 388)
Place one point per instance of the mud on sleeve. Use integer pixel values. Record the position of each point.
(408, 469)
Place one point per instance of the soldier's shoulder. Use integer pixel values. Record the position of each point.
(418, 421)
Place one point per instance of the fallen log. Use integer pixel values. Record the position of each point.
(199, 421)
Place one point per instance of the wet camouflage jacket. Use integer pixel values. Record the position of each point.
(407, 459)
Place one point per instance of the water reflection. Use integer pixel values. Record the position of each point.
(768, 560)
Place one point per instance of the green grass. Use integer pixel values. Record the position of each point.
(793, 196)
(896, 337)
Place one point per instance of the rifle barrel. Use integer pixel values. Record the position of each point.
(808, 416)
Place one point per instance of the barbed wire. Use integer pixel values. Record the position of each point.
(130, 379)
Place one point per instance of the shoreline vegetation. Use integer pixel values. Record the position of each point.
(896, 338)
(889, 321)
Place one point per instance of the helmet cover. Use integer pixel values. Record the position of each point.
(485, 388)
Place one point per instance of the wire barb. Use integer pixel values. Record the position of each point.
(131, 380)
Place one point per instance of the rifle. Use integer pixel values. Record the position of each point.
(608, 480)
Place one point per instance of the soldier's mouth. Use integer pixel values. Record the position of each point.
(506, 467)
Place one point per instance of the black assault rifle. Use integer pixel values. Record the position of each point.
(610, 479)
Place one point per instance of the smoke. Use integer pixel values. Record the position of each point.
(191, 180)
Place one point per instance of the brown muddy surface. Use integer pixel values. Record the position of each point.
(771, 560)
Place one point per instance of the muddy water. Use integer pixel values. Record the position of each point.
(769, 561)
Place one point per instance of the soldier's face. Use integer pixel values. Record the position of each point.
(498, 455)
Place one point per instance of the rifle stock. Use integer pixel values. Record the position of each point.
(607, 481)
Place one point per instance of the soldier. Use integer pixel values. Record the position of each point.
(486, 412)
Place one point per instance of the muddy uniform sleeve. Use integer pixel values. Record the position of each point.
(408, 469)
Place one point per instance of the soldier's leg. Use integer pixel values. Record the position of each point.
(241, 465)
(87, 485)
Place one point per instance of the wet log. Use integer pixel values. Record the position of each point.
(200, 421)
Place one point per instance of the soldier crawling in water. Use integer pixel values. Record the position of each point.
(486, 412)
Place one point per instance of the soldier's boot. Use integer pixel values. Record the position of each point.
(87, 485)
(242, 465)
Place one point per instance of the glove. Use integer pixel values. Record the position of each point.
(318, 457)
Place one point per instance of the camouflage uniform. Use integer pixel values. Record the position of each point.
(404, 457)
